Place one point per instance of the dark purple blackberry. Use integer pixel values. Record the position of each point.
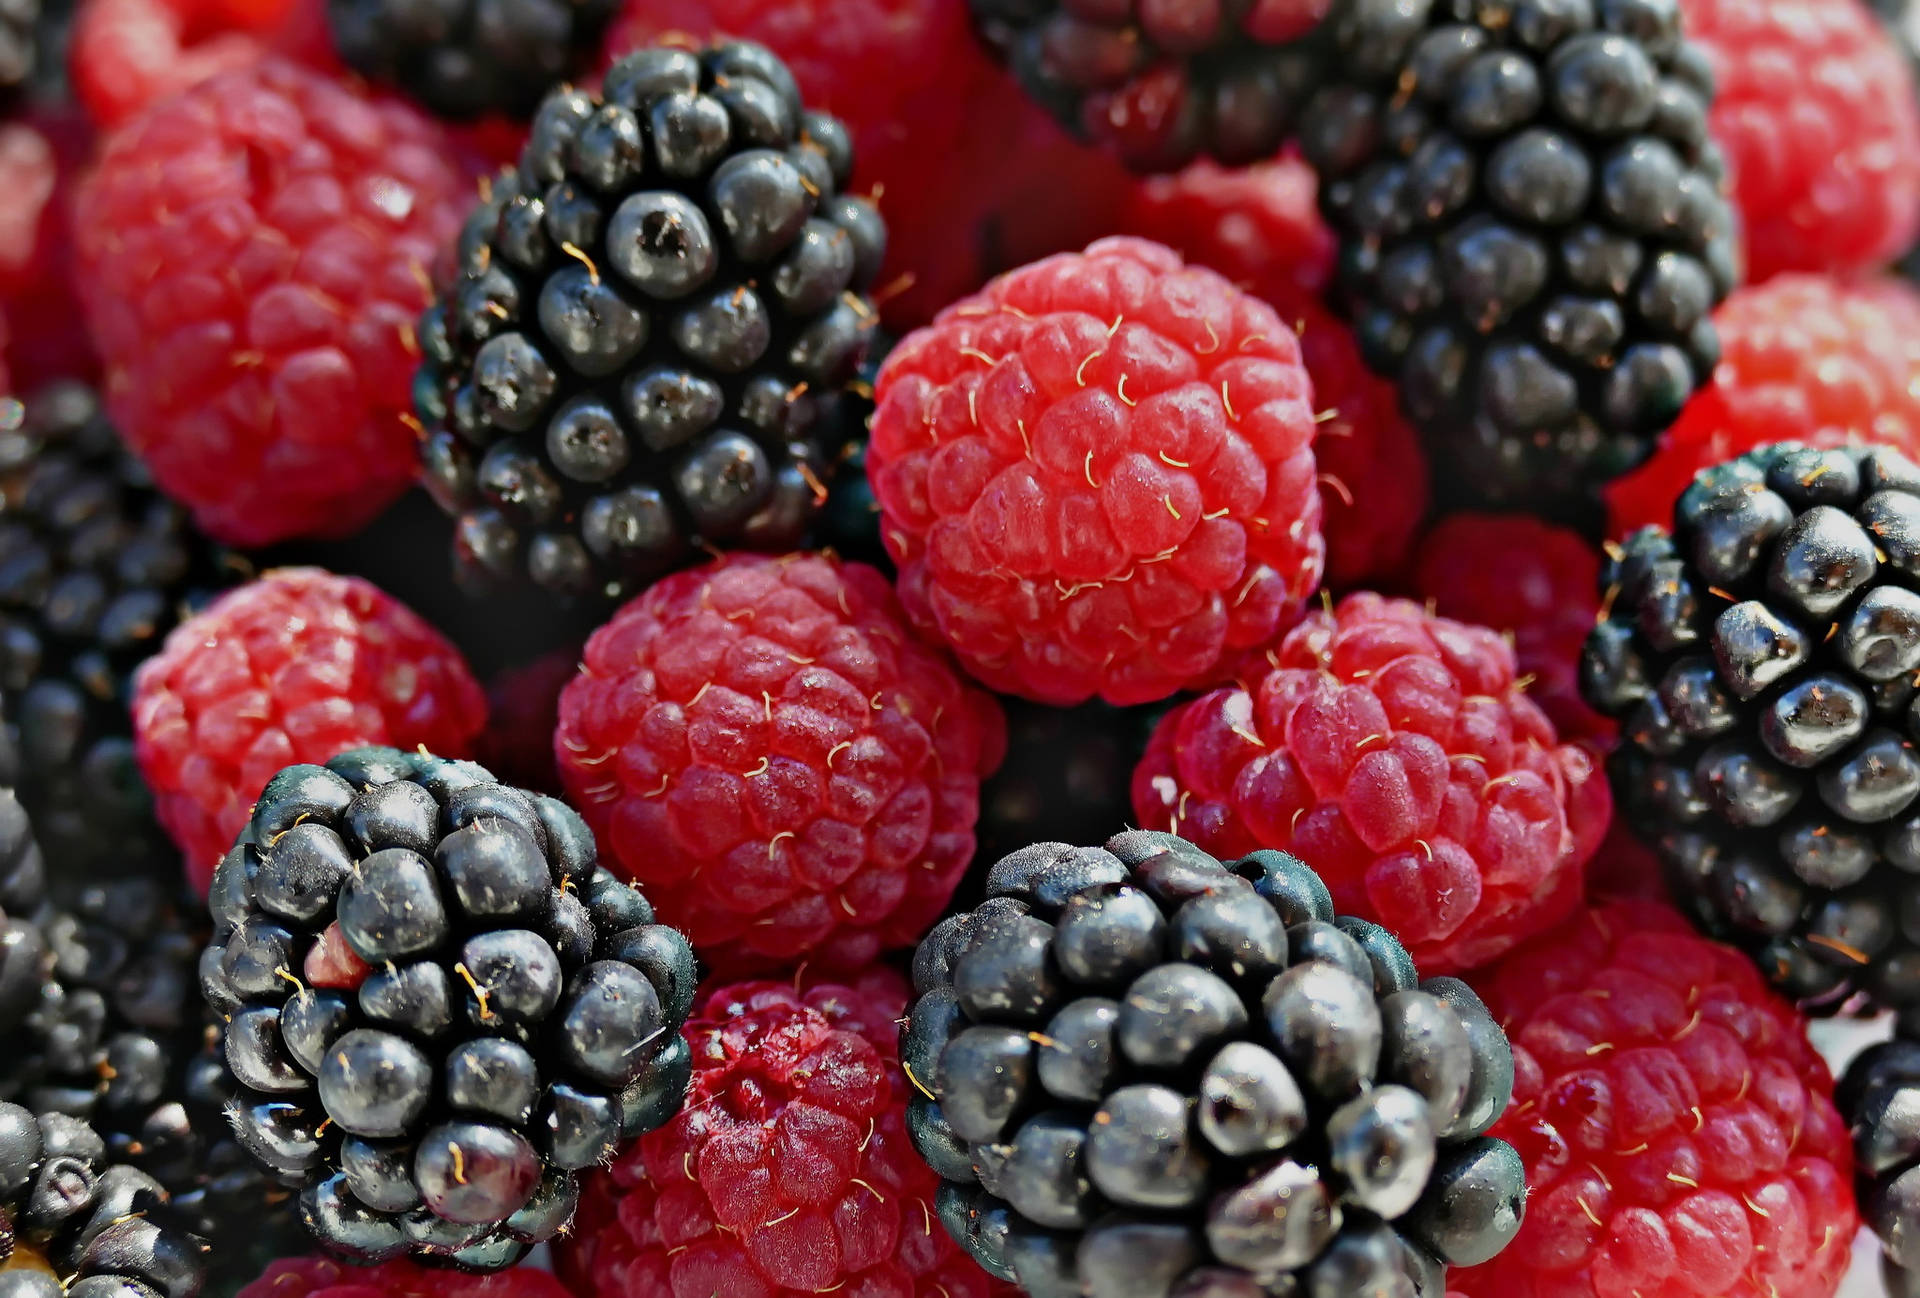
(652, 314)
(74, 1221)
(849, 522)
(1164, 81)
(95, 568)
(1143, 1071)
(465, 58)
(1762, 660)
(1879, 1096)
(438, 1009)
(1532, 230)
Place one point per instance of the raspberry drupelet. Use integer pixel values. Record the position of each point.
(1814, 359)
(1397, 755)
(1097, 475)
(764, 746)
(1825, 177)
(257, 252)
(1679, 1130)
(788, 1172)
(295, 667)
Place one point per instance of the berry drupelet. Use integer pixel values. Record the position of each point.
(1163, 82)
(1879, 1096)
(438, 1009)
(1144, 1071)
(1532, 231)
(650, 313)
(1762, 660)
(95, 569)
(470, 57)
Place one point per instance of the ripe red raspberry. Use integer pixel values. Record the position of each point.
(765, 747)
(322, 1277)
(1394, 752)
(41, 154)
(1804, 358)
(1097, 475)
(1678, 1129)
(523, 708)
(125, 54)
(972, 176)
(788, 1171)
(1815, 111)
(1260, 227)
(254, 257)
(297, 666)
(1539, 584)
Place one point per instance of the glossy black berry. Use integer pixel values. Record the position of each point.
(430, 1043)
(1161, 83)
(1148, 1072)
(95, 569)
(657, 314)
(1532, 229)
(1761, 658)
(466, 58)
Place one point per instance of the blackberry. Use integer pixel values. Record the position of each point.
(1144, 1071)
(849, 521)
(1532, 230)
(95, 569)
(1762, 660)
(1164, 81)
(464, 58)
(1879, 1097)
(75, 1221)
(651, 314)
(438, 1009)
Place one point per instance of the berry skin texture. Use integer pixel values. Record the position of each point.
(1537, 582)
(980, 182)
(1395, 754)
(1804, 358)
(322, 1277)
(1678, 1129)
(765, 748)
(256, 254)
(1259, 226)
(294, 667)
(788, 1172)
(1826, 178)
(1097, 475)
(128, 53)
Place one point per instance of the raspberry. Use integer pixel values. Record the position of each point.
(41, 156)
(1259, 227)
(254, 258)
(1679, 1131)
(1395, 753)
(1538, 583)
(971, 176)
(322, 1277)
(294, 667)
(764, 746)
(523, 707)
(789, 1170)
(1097, 475)
(1804, 358)
(127, 54)
(1826, 177)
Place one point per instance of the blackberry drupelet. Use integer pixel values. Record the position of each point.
(464, 58)
(1762, 659)
(1164, 82)
(1143, 1071)
(74, 1221)
(849, 522)
(95, 569)
(1879, 1096)
(1532, 230)
(439, 1010)
(651, 312)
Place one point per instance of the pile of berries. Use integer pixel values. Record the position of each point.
(576, 576)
